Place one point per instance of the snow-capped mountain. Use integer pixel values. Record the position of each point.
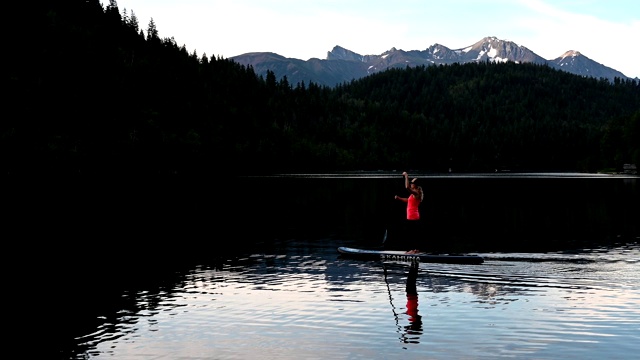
(342, 65)
(576, 63)
(493, 49)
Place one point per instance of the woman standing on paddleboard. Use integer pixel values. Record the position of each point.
(413, 201)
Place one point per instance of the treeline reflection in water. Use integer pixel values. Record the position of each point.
(460, 212)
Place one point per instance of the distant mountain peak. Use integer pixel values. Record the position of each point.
(493, 49)
(340, 53)
(570, 53)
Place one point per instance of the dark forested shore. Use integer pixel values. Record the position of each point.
(89, 92)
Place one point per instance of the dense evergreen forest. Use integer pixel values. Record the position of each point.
(90, 92)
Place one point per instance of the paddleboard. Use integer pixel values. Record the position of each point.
(398, 255)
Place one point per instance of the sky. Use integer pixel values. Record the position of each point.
(606, 31)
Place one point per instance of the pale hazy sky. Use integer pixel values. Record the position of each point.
(606, 31)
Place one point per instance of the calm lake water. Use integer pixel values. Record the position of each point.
(300, 300)
(561, 277)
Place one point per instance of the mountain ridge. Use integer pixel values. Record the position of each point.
(344, 65)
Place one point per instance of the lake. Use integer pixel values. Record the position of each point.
(250, 269)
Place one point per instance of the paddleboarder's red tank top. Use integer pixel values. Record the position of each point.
(412, 208)
(412, 307)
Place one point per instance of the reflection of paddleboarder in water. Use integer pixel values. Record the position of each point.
(415, 320)
(408, 333)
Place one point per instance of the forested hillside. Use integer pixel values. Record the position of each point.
(90, 92)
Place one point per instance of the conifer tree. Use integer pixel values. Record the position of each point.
(152, 31)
